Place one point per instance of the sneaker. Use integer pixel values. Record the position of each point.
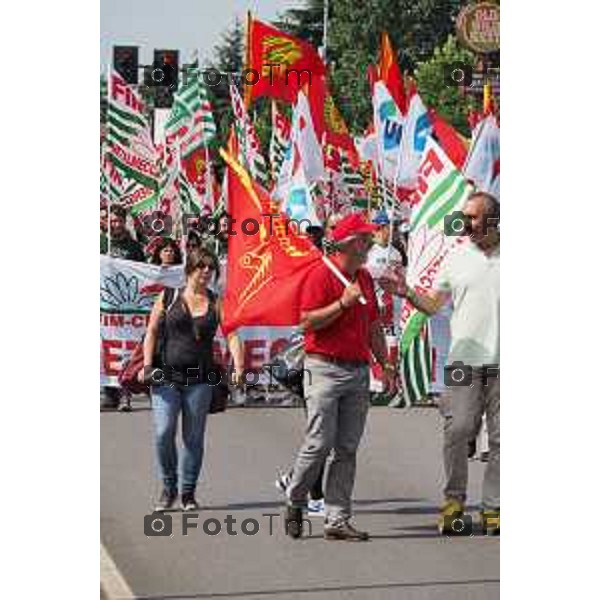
(451, 509)
(316, 508)
(293, 521)
(166, 500)
(188, 502)
(490, 522)
(344, 530)
(283, 481)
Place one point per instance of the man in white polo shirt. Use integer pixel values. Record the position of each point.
(471, 275)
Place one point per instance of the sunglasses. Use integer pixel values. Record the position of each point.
(208, 266)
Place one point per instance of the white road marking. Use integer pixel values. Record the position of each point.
(112, 582)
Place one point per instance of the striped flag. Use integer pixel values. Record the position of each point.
(249, 146)
(440, 190)
(280, 139)
(191, 122)
(416, 365)
(190, 201)
(129, 144)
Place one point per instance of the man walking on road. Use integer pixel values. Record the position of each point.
(472, 276)
(340, 334)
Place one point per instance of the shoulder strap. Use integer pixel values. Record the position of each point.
(169, 297)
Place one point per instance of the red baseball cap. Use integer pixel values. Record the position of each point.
(351, 225)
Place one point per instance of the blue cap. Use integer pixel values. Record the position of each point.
(381, 218)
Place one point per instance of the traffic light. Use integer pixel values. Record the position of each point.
(163, 76)
(125, 62)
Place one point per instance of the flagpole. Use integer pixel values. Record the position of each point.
(109, 195)
(248, 55)
(325, 14)
(341, 276)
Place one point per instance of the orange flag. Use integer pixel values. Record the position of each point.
(293, 61)
(267, 261)
(389, 73)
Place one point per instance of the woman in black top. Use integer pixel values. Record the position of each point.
(184, 356)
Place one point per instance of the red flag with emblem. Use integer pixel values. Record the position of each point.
(265, 269)
(297, 63)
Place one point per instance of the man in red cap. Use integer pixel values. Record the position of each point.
(341, 332)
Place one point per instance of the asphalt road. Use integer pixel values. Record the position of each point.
(397, 493)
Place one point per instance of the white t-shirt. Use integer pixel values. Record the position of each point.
(378, 259)
(473, 279)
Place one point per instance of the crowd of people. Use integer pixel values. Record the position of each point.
(343, 329)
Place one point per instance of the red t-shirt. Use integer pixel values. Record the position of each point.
(349, 336)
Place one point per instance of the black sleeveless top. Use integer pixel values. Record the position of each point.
(188, 341)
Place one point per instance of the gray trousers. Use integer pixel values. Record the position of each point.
(462, 408)
(337, 402)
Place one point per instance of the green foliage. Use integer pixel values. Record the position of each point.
(450, 101)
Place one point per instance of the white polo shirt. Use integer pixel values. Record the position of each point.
(473, 279)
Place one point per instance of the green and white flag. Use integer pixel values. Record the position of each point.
(191, 122)
(249, 145)
(440, 190)
(128, 141)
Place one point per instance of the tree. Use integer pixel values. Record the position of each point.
(415, 27)
(432, 79)
(305, 23)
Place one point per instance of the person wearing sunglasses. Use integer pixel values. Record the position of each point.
(178, 364)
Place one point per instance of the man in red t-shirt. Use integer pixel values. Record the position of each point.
(341, 332)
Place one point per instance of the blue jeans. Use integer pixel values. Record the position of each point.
(193, 401)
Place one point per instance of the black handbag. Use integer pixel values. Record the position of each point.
(221, 393)
(288, 364)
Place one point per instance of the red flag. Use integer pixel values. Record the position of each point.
(449, 139)
(293, 61)
(389, 73)
(265, 269)
(329, 123)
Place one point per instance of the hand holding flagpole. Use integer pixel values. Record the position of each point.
(341, 276)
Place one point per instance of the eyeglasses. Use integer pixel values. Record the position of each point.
(208, 266)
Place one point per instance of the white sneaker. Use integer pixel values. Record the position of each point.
(316, 508)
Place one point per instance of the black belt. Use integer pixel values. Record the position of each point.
(342, 362)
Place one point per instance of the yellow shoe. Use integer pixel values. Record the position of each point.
(452, 520)
(490, 522)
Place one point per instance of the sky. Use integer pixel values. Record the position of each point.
(178, 24)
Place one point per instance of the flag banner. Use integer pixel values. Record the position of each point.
(453, 144)
(191, 123)
(127, 293)
(389, 73)
(416, 367)
(388, 123)
(482, 166)
(329, 124)
(267, 262)
(297, 201)
(249, 154)
(199, 173)
(440, 190)
(280, 140)
(417, 129)
(294, 63)
(129, 143)
(304, 150)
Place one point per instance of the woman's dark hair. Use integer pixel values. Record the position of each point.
(155, 259)
(197, 257)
